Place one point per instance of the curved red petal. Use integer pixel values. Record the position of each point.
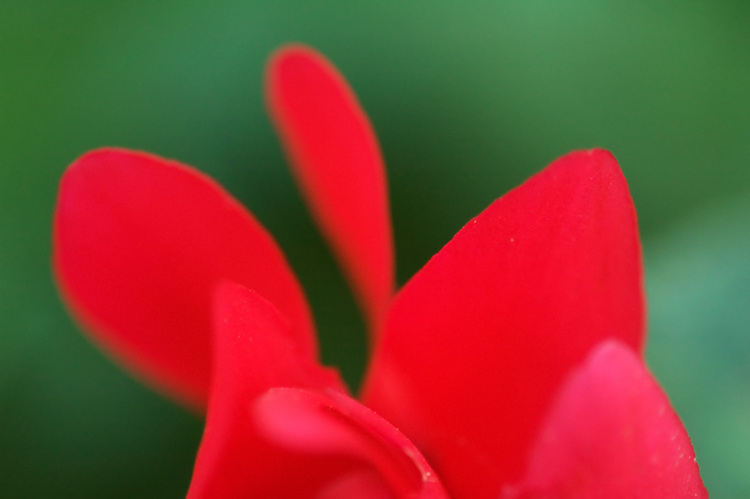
(296, 443)
(337, 162)
(140, 243)
(332, 424)
(477, 343)
(255, 349)
(309, 441)
(611, 433)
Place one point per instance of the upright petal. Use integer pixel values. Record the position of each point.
(337, 162)
(611, 433)
(307, 440)
(140, 244)
(477, 343)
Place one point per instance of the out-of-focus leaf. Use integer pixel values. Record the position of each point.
(698, 279)
(467, 98)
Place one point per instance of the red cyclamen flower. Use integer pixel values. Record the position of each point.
(509, 366)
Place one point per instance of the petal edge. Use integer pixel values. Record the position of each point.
(336, 160)
(611, 433)
(139, 244)
(513, 302)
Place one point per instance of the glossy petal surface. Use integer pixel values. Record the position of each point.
(140, 244)
(611, 433)
(336, 159)
(309, 441)
(478, 342)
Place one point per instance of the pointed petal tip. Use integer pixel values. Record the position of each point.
(593, 160)
(289, 63)
(293, 52)
(611, 432)
(255, 350)
(595, 153)
(539, 278)
(612, 350)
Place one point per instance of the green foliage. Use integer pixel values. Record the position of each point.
(699, 287)
(468, 99)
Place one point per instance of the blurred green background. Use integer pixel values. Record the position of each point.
(468, 99)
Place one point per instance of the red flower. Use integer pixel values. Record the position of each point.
(511, 362)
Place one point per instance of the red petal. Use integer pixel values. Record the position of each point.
(298, 443)
(255, 349)
(611, 433)
(139, 245)
(292, 442)
(477, 343)
(331, 424)
(337, 162)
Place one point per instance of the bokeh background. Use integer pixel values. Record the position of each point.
(468, 99)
